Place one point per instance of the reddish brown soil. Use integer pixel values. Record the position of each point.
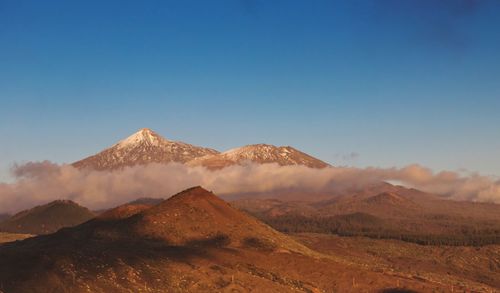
(465, 268)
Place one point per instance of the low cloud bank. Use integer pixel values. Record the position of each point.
(40, 182)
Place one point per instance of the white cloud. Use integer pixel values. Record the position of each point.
(41, 182)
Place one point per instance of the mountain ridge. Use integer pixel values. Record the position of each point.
(141, 148)
(146, 146)
(261, 154)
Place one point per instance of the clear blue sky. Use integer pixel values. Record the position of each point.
(396, 82)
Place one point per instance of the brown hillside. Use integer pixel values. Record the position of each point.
(192, 214)
(47, 218)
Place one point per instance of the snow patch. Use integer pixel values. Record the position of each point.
(143, 136)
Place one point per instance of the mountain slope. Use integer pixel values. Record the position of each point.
(143, 147)
(192, 242)
(196, 214)
(47, 218)
(385, 204)
(395, 211)
(259, 153)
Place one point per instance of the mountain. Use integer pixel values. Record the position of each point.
(47, 218)
(259, 153)
(385, 204)
(196, 213)
(143, 147)
(191, 242)
(382, 198)
(146, 146)
(384, 211)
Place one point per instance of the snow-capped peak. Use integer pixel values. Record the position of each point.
(143, 136)
(256, 150)
(141, 148)
(261, 154)
(145, 147)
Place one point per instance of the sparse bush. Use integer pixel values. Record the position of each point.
(360, 224)
(221, 240)
(218, 240)
(259, 244)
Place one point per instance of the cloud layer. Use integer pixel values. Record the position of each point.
(41, 182)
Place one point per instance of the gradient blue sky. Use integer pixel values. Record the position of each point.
(397, 82)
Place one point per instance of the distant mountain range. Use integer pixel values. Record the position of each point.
(383, 211)
(146, 146)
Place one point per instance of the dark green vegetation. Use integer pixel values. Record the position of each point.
(361, 224)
